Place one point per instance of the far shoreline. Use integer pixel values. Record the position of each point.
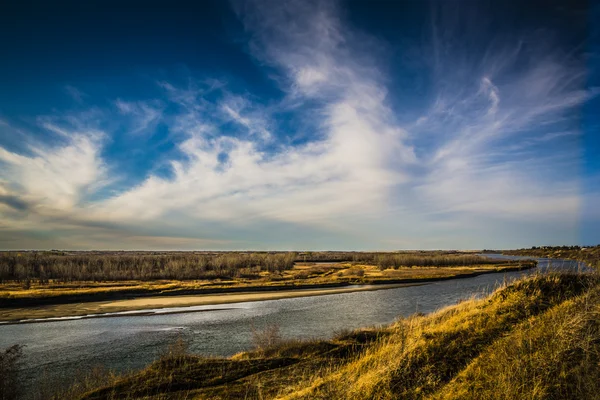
(100, 309)
(146, 305)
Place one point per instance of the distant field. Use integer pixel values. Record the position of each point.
(50, 279)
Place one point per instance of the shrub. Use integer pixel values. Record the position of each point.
(267, 337)
(9, 370)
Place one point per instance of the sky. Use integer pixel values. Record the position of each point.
(299, 125)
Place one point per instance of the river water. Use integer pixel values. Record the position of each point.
(59, 350)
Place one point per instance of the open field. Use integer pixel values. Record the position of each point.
(538, 338)
(49, 290)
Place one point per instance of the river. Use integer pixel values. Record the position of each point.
(59, 350)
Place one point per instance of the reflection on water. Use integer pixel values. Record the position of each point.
(63, 348)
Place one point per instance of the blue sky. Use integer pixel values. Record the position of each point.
(299, 125)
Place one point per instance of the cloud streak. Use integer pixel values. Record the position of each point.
(144, 115)
(497, 123)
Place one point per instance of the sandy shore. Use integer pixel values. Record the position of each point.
(157, 302)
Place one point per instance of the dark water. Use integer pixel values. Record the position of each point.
(61, 349)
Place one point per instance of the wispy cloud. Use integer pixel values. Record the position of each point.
(75, 93)
(237, 109)
(145, 115)
(505, 127)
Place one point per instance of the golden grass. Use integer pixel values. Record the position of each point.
(58, 289)
(553, 356)
(425, 353)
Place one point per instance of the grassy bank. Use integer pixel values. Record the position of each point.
(538, 339)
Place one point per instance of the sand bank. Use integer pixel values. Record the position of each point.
(99, 309)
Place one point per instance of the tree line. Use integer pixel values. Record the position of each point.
(45, 266)
(117, 266)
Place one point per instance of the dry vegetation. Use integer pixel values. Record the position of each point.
(123, 266)
(42, 278)
(537, 339)
(588, 255)
(10, 359)
(44, 267)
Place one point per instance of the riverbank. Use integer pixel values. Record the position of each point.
(60, 302)
(101, 309)
(545, 326)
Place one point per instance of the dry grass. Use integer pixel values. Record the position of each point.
(553, 356)
(424, 353)
(538, 338)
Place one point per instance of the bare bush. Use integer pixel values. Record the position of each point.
(176, 350)
(9, 372)
(269, 336)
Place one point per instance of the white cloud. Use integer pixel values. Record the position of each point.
(350, 170)
(238, 109)
(54, 178)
